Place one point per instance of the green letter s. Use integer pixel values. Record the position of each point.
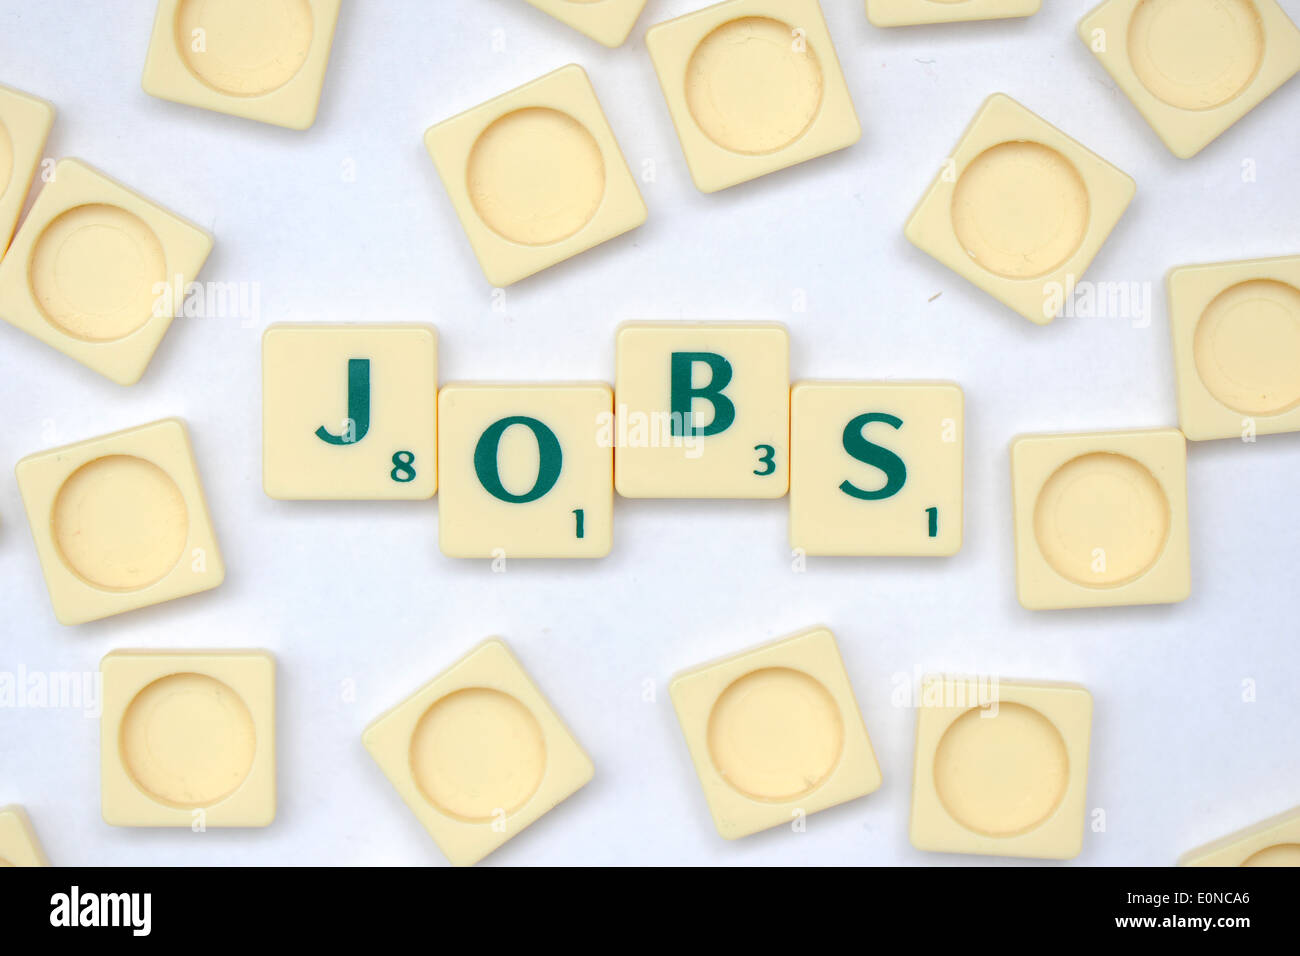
(869, 453)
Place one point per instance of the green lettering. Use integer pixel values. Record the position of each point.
(549, 459)
(358, 406)
(869, 453)
(684, 393)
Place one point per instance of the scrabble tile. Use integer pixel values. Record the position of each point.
(350, 411)
(1020, 209)
(876, 468)
(25, 124)
(18, 843)
(536, 175)
(752, 86)
(260, 59)
(903, 13)
(605, 21)
(1001, 768)
(1236, 335)
(187, 738)
(525, 471)
(775, 733)
(92, 271)
(703, 410)
(478, 754)
(120, 522)
(1274, 842)
(1101, 518)
(1193, 68)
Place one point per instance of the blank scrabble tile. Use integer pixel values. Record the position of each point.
(187, 738)
(605, 21)
(1020, 209)
(1236, 336)
(536, 175)
(903, 13)
(120, 522)
(752, 86)
(350, 411)
(1001, 768)
(1101, 518)
(1193, 68)
(775, 733)
(525, 470)
(260, 59)
(18, 843)
(93, 269)
(876, 468)
(1274, 842)
(25, 124)
(703, 410)
(478, 753)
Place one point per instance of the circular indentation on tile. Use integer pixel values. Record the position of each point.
(244, 47)
(536, 176)
(188, 740)
(1247, 347)
(775, 734)
(1001, 773)
(1020, 210)
(120, 523)
(1101, 520)
(95, 271)
(1195, 54)
(6, 159)
(1284, 854)
(754, 85)
(477, 753)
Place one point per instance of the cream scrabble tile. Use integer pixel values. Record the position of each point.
(903, 13)
(1274, 842)
(120, 522)
(188, 738)
(18, 843)
(536, 175)
(1193, 68)
(752, 86)
(775, 733)
(605, 21)
(1236, 336)
(527, 471)
(478, 754)
(703, 410)
(93, 269)
(1001, 768)
(876, 468)
(1101, 518)
(1020, 209)
(350, 411)
(259, 59)
(25, 124)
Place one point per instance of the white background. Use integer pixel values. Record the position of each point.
(358, 592)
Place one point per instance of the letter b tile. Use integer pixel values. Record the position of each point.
(703, 410)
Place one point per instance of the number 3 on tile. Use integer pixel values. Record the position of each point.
(767, 458)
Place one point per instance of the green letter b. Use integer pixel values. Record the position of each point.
(684, 393)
